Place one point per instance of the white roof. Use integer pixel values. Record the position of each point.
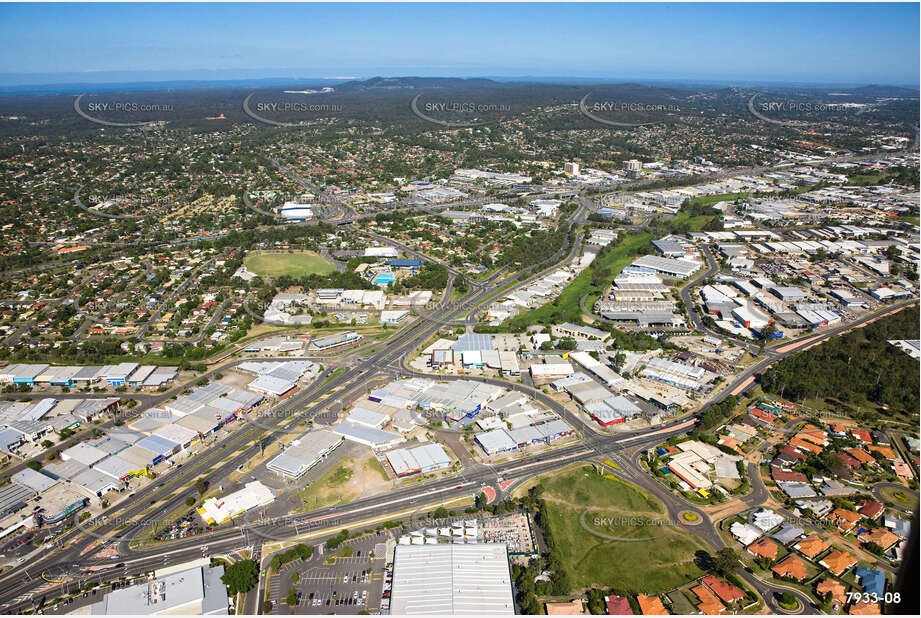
(176, 433)
(254, 494)
(84, 453)
(471, 579)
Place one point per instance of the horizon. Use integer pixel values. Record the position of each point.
(814, 44)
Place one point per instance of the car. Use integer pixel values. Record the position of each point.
(311, 596)
(327, 601)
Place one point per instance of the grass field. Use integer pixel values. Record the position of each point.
(328, 489)
(649, 566)
(899, 498)
(290, 264)
(566, 307)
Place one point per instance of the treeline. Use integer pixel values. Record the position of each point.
(429, 277)
(298, 552)
(526, 589)
(855, 368)
(349, 280)
(531, 250)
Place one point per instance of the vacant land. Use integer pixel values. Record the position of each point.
(346, 481)
(287, 264)
(659, 559)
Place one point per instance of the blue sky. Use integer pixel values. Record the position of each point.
(830, 43)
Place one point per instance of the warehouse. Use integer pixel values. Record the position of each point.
(304, 453)
(613, 410)
(495, 441)
(680, 269)
(334, 341)
(369, 418)
(468, 579)
(117, 375)
(270, 385)
(789, 294)
(420, 459)
(374, 438)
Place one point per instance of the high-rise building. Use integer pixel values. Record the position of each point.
(571, 169)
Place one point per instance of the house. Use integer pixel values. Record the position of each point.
(872, 580)
(709, 604)
(862, 435)
(864, 609)
(861, 455)
(838, 561)
(811, 546)
(724, 590)
(764, 548)
(871, 510)
(651, 606)
(845, 519)
(880, 536)
(836, 588)
(791, 567)
(745, 533)
(572, 608)
(618, 606)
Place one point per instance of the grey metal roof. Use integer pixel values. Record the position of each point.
(471, 579)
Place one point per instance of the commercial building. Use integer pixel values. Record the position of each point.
(304, 453)
(673, 268)
(197, 591)
(369, 436)
(335, 340)
(218, 510)
(469, 579)
(421, 459)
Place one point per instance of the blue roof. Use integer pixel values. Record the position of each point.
(872, 580)
(404, 263)
(157, 444)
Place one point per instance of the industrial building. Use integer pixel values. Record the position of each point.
(673, 268)
(469, 579)
(418, 460)
(304, 453)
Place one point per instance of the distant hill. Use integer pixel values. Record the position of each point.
(886, 91)
(390, 83)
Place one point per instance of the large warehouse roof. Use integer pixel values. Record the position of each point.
(452, 579)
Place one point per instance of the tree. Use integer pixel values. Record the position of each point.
(240, 576)
(266, 607)
(787, 600)
(291, 597)
(726, 561)
(567, 343)
(190, 501)
(201, 486)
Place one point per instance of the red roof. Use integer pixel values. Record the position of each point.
(618, 606)
(724, 590)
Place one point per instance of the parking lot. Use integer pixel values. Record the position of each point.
(347, 586)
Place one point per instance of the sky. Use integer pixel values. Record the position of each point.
(826, 43)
